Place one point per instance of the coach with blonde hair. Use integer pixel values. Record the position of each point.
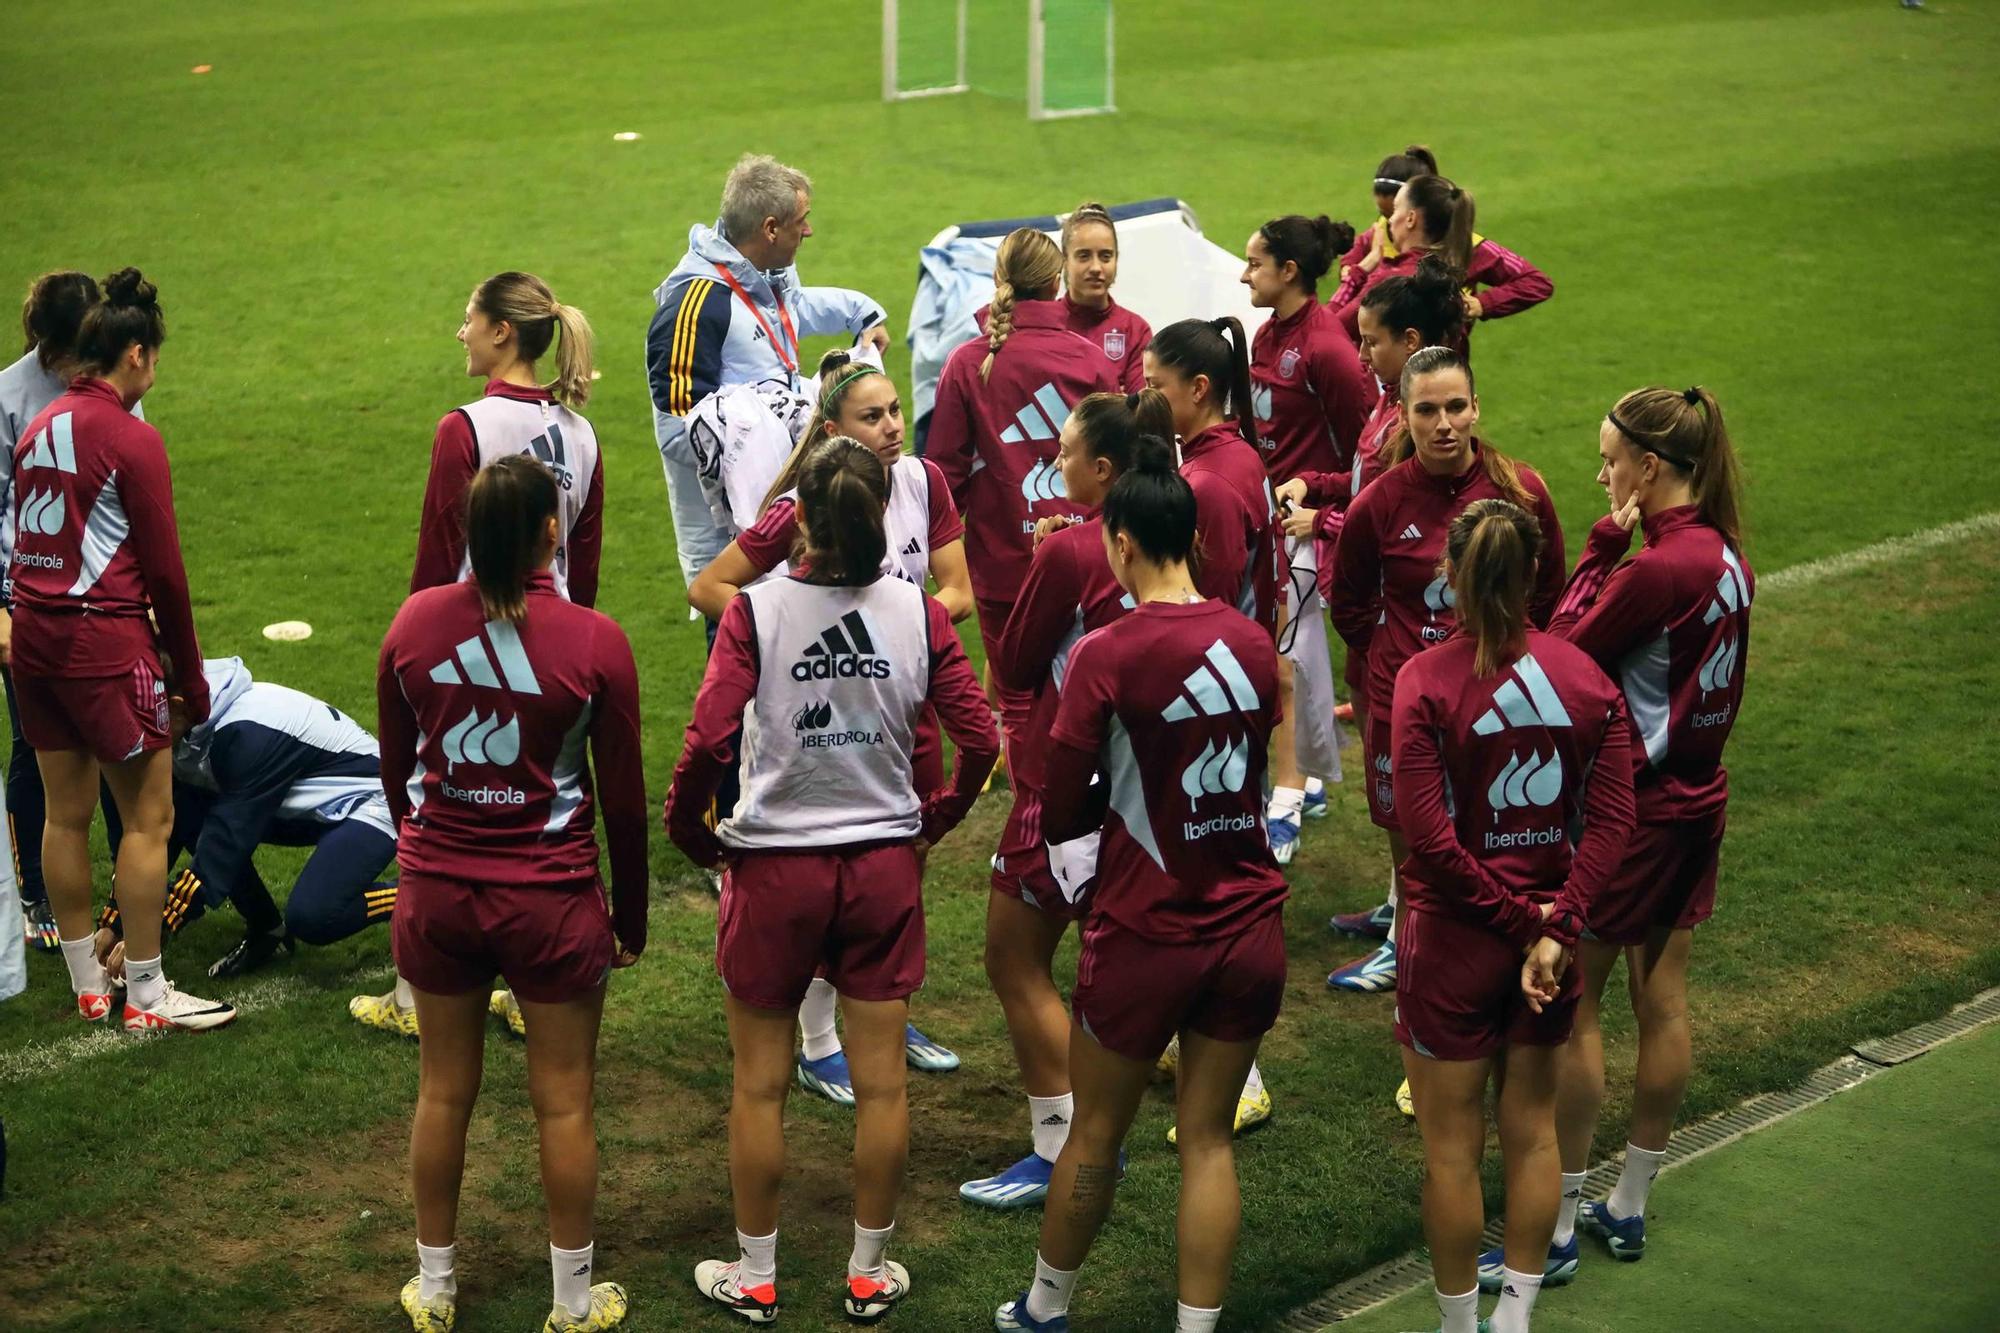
(733, 312)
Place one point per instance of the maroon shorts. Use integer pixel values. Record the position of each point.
(1458, 991)
(1666, 882)
(115, 718)
(1380, 772)
(1015, 705)
(1021, 865)
(1134, 994)
(551, 945)
(855, 916)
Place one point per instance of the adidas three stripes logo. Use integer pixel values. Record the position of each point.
(1525, 699)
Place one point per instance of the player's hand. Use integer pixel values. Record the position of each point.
(625, 957)
(6, 637)
(1292, 492)
(177, 717)
(1346, 272)
(1299, 522)
(1377, 238)
(1473, 310)
(110, 953)
(1627, 515)
(1542, 972)
(879, 335)
(1048, 527)
(1548, 910)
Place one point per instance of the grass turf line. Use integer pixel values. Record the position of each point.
(1719, 195)
(1845, 1231)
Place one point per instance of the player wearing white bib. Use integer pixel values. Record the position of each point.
(925, 537)
(509, 325)
(819, 680)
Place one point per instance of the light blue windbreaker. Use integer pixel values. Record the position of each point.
(703, 337)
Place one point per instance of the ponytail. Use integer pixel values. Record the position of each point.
(507, 509)
(525, 302)
(52, 316)
(1153, 505)
(1124, 429)
(843, 490)
(1447, 213)
(1492, 546)
(1684, 429)
(1219, 350)
(1028, 267)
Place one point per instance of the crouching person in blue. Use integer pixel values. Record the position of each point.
(273, 766)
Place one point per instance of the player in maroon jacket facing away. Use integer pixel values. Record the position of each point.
(510, 322)
(1389, 600)
(1398, 317)
(1037, 889)
(1434, 215)
(1312, 399)
(1173, 703)
(97, 549)
(823, 676)
(925, 539)
(1673, 625)
(1504, 739)
(1001, 402)
(490, 691)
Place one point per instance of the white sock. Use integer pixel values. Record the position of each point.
(572, 1274)
(1635, 1182)
(1314, 787)
(1394, 898)
(1286, 803)
(1460, 1313)
(1048, 1294)
(437, 1269)
(1517, 1301)
(145, 983)
(758, 1266)
(1048, 1118)
(1188, 1319)
(86, 975)
(1572, 1195)
(816, 1019)
(869, 1247)
(1255, 1083)
(405, 997)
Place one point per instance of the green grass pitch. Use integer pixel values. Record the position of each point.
(1789, 202)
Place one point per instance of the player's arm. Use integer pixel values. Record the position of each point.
(1551, 563)
(1071, 805)
(1042, 616)
(146, 485)
(1512, 284)
(586, 541)
(620, 784)
(254, 766)
(1345, 391)
(953, 578)
(755, 552)
(950, 443)
(726, 690)
(441, 525)
(1419, 780)
(1223, 552)
(1609, 814)
(823, 310)
(395, 725)
(1356, 587)
(966, 716)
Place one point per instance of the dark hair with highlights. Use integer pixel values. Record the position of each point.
(128, 313)
(843, 490)
(1492, 546)
(507, 509)
(52, 315)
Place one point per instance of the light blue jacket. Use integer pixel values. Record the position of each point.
(704, 337)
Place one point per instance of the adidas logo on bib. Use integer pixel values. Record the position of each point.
(845, 650)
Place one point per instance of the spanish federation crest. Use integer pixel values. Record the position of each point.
(1288, 363)
(1114, 344)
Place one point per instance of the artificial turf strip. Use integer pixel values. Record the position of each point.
(1876, 1210)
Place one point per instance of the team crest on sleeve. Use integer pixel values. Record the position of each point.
(1288, 362)
(1114, 344)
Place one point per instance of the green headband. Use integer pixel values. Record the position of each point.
(826, 399)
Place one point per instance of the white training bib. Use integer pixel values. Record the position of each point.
(828, 736)
(567, 443)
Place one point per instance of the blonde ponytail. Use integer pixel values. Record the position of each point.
(1028, 267)
(1684, 428)
(525, 302)
(573, 357)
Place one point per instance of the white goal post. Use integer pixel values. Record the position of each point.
(1080, 82)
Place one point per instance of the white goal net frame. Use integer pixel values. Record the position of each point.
(1038, 107)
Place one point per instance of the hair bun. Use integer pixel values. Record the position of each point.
(128, 287)
(1151, 454)
(833, 361)
(1435, 273)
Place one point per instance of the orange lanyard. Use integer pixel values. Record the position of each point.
(791, 362)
